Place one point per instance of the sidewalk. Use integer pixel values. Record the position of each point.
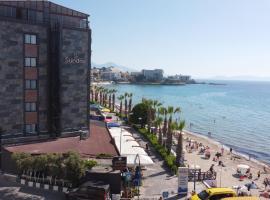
(157, 178)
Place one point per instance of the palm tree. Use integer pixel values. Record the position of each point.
(113, 98)
(171, 111)
(126, 104)
(110, 99)
(149, 104)
(179, 148)
(158, 123)
(130, 102)
(164, 111)
(91, 93)
(96, 89)
(120, 98)
(100, 95)
(156, 105)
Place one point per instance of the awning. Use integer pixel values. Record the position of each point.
(134, 160)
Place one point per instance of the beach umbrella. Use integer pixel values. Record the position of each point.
(251, 185)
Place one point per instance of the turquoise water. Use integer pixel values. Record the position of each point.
(237, 114)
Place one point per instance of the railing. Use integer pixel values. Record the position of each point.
(201, 176)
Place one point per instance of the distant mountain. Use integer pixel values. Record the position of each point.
(109, 64)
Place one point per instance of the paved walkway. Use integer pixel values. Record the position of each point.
(157, 178)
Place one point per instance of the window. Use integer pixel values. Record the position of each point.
(30, 84)
(30, 107)
(30, 39)
(30, 128)
(30, 62)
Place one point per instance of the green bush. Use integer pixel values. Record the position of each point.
(168, 158)
(89, 164)
(68, 166)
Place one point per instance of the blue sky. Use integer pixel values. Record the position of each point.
(202, 38)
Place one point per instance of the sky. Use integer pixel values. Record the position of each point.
(201, 38)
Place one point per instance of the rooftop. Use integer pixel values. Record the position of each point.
(98, 142)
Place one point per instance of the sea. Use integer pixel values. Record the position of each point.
(236, 113)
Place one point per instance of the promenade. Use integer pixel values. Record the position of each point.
(158, 178)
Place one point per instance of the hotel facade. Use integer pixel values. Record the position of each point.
(45, 56)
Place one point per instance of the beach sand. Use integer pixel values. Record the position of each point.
(225, 174)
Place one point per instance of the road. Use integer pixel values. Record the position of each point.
(10, 190)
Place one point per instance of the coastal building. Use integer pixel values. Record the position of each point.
(110, 74)
(153, 75)
(181, 78)
(45, 52)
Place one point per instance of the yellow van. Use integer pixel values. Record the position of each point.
(241, 198)
(214, 194)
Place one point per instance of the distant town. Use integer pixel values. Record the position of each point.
(145, 76)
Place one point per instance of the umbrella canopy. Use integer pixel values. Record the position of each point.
(194, 167)
(251, 185)
(105, 110)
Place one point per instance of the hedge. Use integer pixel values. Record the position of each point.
(168, 158)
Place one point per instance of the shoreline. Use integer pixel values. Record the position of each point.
(227, 148)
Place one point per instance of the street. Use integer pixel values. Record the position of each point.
(10, 190)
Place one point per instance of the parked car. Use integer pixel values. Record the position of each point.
(214, 194)
(90, 190)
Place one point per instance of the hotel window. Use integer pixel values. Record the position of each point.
(30, 107)
(30, 128)
(30, 62)
(30, 39)
(30, 84)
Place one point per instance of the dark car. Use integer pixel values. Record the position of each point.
(90, 190)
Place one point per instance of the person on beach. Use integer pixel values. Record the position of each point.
(266, 183)
(222, 151)
(259, 174)
(212, 169)
(231, 150)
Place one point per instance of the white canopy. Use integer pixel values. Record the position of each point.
(143, 159)
(241, 166)
(129, 147)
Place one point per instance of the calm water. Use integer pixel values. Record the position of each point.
(237, 114)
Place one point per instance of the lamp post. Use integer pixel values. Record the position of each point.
(121, 141)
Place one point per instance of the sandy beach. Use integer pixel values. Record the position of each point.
(225, 175)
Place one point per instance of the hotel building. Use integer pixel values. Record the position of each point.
(45, 52)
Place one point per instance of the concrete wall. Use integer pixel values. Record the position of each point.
(12, 77)
(74, 75)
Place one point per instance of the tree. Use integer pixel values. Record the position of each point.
(156, 106)
(149, 104)
(171, 111)
(164, 111)
(74, 167)
(130, 102)
(139, 115)
(120, 98)
(179, 148)
(110, 99)
(126, 104)
(158, 123)
(113, 98)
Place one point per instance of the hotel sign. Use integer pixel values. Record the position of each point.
(74, 59)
